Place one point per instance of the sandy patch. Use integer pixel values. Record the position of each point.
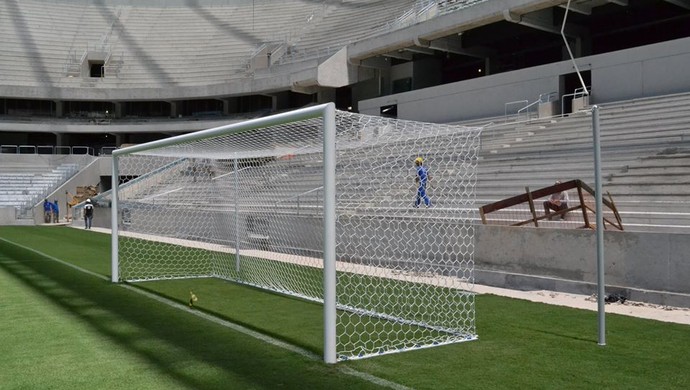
(677, 315)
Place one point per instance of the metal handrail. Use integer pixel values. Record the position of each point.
(505, 113)
(51, 149)
(36, 149)
(579, 92)
(107, 150)
(548, 96)
(83, 56)
(527, 107)
(59, 148)
(85, 149)
(15, 147)
(27, 147)
(297, 197)
(543, 98)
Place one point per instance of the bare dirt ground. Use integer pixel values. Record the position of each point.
(677, 315)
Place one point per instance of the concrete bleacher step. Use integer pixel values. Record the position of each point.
(26, 181)
(225, 39)
(648, 179)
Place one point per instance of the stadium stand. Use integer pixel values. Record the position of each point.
(25, 182)
(644, 171)
(538, 152)
(345, 23)
(111, 73)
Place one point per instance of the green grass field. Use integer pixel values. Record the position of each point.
(63, 328)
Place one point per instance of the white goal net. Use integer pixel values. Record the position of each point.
(374, 220)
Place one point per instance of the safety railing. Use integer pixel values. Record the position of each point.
(578, 93)
(526, 107)
(63, 150)
(107, 150)
(543, 98)
(527, 110)
(48, 149)
(300, 197)
(513, 103)
(548, 97)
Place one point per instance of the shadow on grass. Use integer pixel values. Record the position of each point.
(310, 311)
(591, 340)
(159, 333)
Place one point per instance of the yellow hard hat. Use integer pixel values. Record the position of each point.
(419, 160)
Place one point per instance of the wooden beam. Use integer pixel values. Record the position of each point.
(531, 206)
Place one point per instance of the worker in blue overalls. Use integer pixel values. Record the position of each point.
(421, 179)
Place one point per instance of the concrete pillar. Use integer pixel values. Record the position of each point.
(325, 95)
(226, 106)
(173, 109)
(117, 108)
(59, 139)
(59, 109)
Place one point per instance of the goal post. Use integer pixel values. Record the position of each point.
(327, 113)
(372, 217)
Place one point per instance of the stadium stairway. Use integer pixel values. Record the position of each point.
(23, 185)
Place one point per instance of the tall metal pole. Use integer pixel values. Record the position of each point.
(570, 52)
(237, 219)
(114, 244)
(329, 274)
(600, 226)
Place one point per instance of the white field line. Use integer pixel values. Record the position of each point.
(236, 327)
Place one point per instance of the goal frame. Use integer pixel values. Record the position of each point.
(324, 111)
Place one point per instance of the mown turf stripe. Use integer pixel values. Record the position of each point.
(239, 328)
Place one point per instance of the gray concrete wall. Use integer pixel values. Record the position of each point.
(7, 215)
(650, 267)
(639, 72)
(647, 267)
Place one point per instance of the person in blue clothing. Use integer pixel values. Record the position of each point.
(421, 179)
(56, 212)
(47, 211)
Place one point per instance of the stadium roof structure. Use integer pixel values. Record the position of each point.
(151, 68)
(149, 50)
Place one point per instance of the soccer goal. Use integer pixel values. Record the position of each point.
(371, 216)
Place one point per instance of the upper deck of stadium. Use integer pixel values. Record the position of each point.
(151, 50)
(177, 49)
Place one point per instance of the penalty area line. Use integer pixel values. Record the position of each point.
(225, 323)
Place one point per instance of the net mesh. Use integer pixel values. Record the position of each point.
(248, 207)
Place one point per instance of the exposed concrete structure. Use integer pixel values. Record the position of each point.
(646, 267)
(7, 215)
(622, 75)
